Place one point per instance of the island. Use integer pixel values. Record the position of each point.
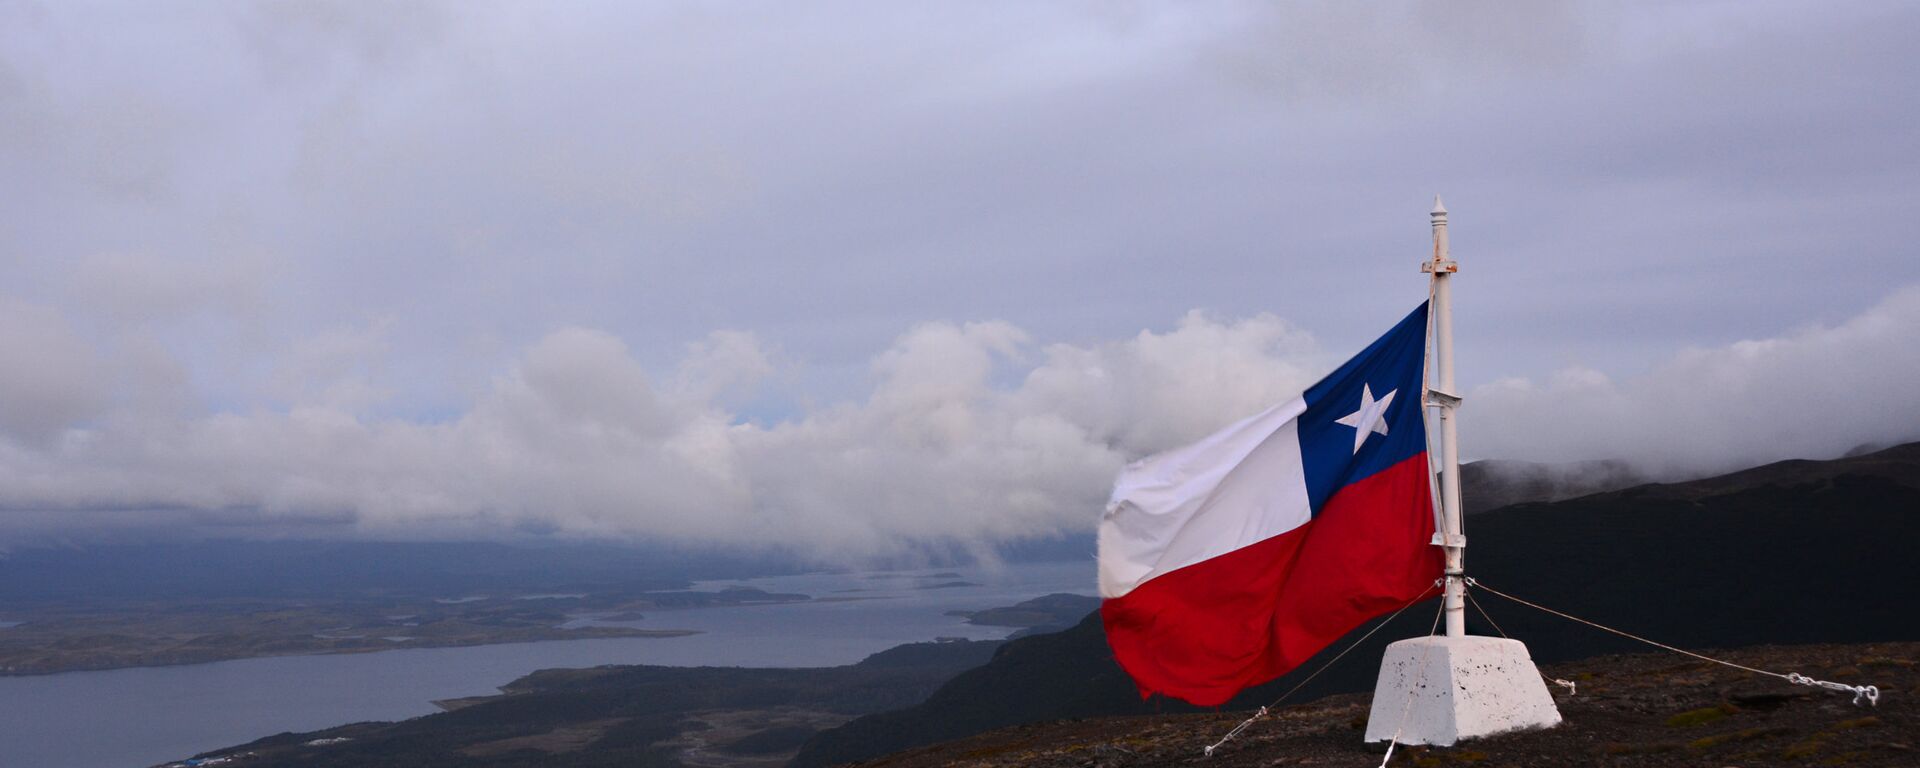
(92, 635)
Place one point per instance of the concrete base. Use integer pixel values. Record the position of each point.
(1470, 686)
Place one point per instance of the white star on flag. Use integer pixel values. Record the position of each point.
(1370, 418)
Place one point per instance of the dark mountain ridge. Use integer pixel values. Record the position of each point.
(1792, 552)
(1494, 483)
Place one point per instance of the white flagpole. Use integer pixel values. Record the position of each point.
(1439, 690)
(1452, 535)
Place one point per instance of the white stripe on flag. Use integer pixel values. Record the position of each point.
(1233, 488)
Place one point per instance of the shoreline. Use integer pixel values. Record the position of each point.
(584, 633)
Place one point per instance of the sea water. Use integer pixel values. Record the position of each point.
(128, 718)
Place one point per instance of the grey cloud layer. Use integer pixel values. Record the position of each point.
(425, 268)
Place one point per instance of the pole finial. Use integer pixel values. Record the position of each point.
(1438, 208)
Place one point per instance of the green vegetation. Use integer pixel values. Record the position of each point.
(1702, 716)
(1750, 734)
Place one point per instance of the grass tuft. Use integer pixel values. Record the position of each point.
(1709, 742)
(1702, 716)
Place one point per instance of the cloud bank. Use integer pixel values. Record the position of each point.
(1814, 393)
(968, 434)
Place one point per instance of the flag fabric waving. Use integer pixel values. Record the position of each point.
(1228, 562)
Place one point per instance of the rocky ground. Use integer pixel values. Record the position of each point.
(1641, 710)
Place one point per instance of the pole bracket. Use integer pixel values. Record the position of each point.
(1440, 266)
(1445, 540)
(1439, 399)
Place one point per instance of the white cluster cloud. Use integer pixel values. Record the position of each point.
(51, 379)
(970, 433)
(1814, 393)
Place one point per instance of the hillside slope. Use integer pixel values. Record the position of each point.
(1644, 711)
(1796, 552)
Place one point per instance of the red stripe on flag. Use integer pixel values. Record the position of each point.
(1207, 631)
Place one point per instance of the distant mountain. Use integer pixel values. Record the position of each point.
(179, 570)
(1495, 483)
(627, 716)
(1793, 552)
(1043, 614)
(1899, 465)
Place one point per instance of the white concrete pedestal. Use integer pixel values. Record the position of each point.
(1470, 686)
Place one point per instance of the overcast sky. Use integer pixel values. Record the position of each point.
(847, 277)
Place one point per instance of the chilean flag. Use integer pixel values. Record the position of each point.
(1228, 562)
